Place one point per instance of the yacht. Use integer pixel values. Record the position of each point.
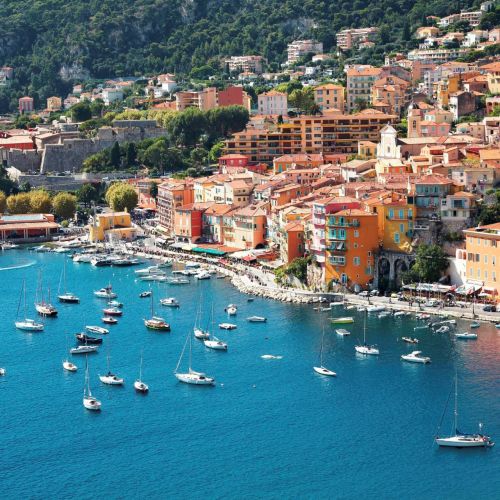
(139, 385)
(145, 294)
(344, 320)
(3, 372)
(149, 270)
(366, 349)
(375, 309)
(29, 325)
(69, 366)
(203, 275)
(231, 310)
(86, 339)
(201, 334)
(170, 302)
(106, 293)
(112, 311)
(215, 344)
(111, 379)
(89, 401)
(83, 349)
(191, 376)
(97, 329)
(109, 320)
(157, 323)
(321, 369)
(256, 319)
(415, 357)
(65, 296)
(342, 332)
(227, 326)
(466, 335)
(460, 439)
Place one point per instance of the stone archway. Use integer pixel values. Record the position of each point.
(390, 268)
(400, 267)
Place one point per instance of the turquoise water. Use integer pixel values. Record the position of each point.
(270, 429)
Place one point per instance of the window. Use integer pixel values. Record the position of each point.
(478, 258)
(396, 237)
(493, 260)
(343, 278)
(391, 213)
(479, 273)
(401, 214)
(485, 275)
(494, 276)
(355, 245)
(356, 234)
(486, 259)
(401, 228)
(470, 272)
(356, 261)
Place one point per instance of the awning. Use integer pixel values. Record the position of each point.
(249, 258)
(209, 251)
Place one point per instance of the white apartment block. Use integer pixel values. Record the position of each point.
(300, 48)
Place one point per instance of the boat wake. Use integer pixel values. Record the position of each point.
(19, 266)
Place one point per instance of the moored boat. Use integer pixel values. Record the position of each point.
(106, 293)
(112, 311)
(410, 340)
(69, 366)
(83, 349)
(170, 302)
(466, 335)
(227, 326)
(87, 339)
(415, 357)
(97, 329)
(191, 376)
(89, 401)
(342, 320)
(109, 320)
(342, 332)
(256, 319)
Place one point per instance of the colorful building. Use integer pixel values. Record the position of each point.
(172, 194)
(360, 80)
(27, 227)
(351, 241)
(483, 257)
(26, 105)
(273, 103)
(112, 226)
(293, 246)
(248, 227)
(188, 226)
(330, 96)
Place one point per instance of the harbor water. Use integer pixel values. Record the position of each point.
(271, 428)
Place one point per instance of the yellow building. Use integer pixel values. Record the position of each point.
(112, 226)
(493, 74)
(395, 222)
(483, 257)
(330, 96)
(54, 103)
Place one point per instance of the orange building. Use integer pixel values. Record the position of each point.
(172, 194)
(351, 241)
(246, 227)
(188, 225)
(330, 96)
(483, 258)
(294, 245)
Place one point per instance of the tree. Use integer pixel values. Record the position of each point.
(121, 196)
(302, 99)
(131, 154)
(19, 203)
(39, 202)
(3, 202)
(97, 107)
(115, 155)
(216, 151)
(86, 194)
(81, 112)
(64, 205)
(187, 127)
(430, 263)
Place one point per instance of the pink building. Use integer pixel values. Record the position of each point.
(26, 105)
(234, 96)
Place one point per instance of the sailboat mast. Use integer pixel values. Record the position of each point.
(456, 402)
(364, 328)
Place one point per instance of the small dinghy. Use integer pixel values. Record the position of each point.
(466, 336)
(342, 332)
(143, 295)
(409, 340)
(227, 326)
(256, 319)
(109, 320)
(415, 357)
(97, 329)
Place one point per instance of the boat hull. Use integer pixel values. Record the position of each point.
(193, 379)
(368, 351)
(475, 441)
(92, 404)
(141, 387)
(321, 370)
(216, 345)
(68, 299)
(29, 327)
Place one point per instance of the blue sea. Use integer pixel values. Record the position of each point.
(269, 429)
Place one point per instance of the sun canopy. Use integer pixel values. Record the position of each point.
(209, 251)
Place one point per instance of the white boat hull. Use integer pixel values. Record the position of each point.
(140, 386)
(216, 345)
(91, 403)
(369, 351)
(29, 326)
(69, 366)
(472, 441)
(194, 379)
(200, 334)
(324, 371)
(84, 349)
(111, 380)
(416, 359)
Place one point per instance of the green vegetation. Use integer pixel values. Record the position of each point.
(64, 205)
(121, 196)
(430, 263)
(296, 269)
(39, 201)
(107, 38)
(489, 212)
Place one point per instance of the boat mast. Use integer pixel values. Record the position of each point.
(364, 328)
(140, 368)
(456, 402)
(321, 349)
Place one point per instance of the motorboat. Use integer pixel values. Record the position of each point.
(170, 302)
(215, 344)
(203, 275)
(166, 263)
(126, 262)
(460, 439)
(192, 265)
(415, 357)
(191, 376)
(227, 326)
(101, 261)
(9, 246)
(157, 323)
(422, 327)
(423, 316)
(398, 314)
(342, 320)
(69, 366)
(112, 311)
(149, 270)
(475, 324)
(83, 349)
(350, 307)
(446, 322)
(466, 335)
(201, 334)
(111, 379)
(231, 310)
(361, 308)
(384, 314)
(29, 325)
(82, 257)
(177, 281)
(342, 332)
(256, 319)
(375, 309)
(97, 329)
(409, 340)
(115, 303)
(143, 295)
(89, 401)
(3, 372)
(109, 320)
(443, 329)
(106, 293)
(41, 249)
(87, 339)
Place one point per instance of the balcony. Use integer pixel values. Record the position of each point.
(337, 247)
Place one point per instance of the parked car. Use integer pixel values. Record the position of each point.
(490, 308)
(364, 293)
(374, 293)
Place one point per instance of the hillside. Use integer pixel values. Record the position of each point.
(51, 42)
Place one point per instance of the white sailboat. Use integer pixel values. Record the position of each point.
(67, 364)
(365, 348)
(139, 385)
(214, 342)
(26, 324)
(65, 296)
(110, 378)
(43, 308)
(321, 370)
(459, 439)
(191, 377)
(198, 331)
(89, 401)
